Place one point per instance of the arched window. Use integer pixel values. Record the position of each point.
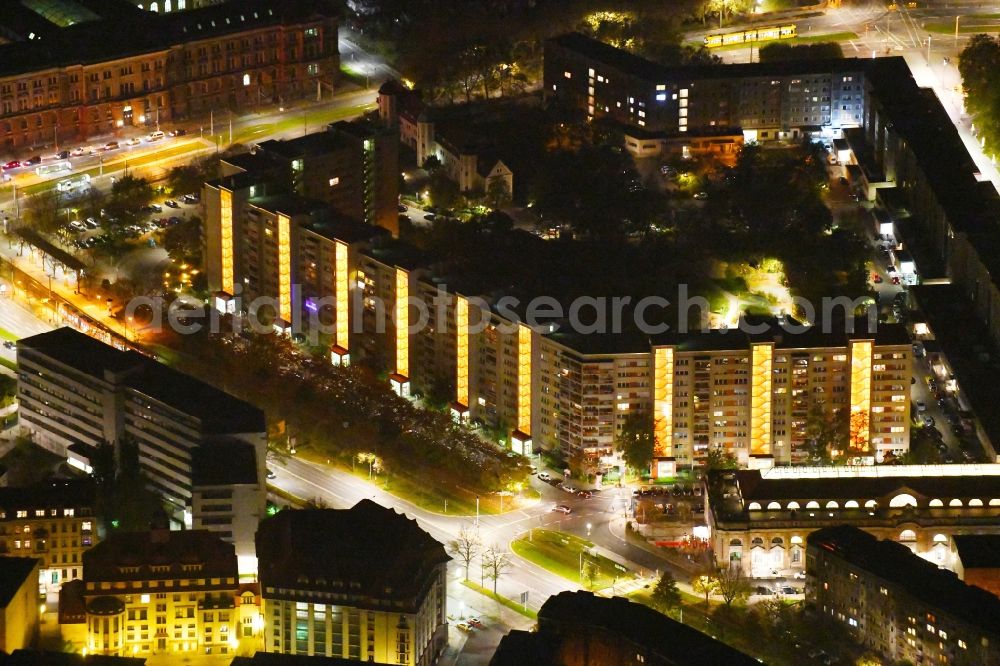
(796, 539)
(850, 504)
(166, 5)
(975, 502)
(793, 505)
(812, 505)
(955, 502)
(757, 542)
(832, 505)
(753, 506)
(907, 535)
(773, 506)
(777, 541)
(940, 538)
(871, 504)
(153, 7)
(735, 542)
(901, 500)
(935, 502)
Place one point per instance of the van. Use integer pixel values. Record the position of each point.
(155, 136)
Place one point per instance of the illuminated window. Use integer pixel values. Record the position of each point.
(567, 75)
(334, 181)
(246, 79)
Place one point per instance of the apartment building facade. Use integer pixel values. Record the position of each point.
(899, 604)
(760, 519)
(73, 390)
(162, 592)
(146, 69)
(52, 521)
(364, 583)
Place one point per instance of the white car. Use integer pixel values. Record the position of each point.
(544, 476)
(562, 508)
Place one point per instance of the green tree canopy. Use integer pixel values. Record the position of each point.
(635, 442)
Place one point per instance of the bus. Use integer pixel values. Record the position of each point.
(55, 167)
(752, 35)
(73, 184)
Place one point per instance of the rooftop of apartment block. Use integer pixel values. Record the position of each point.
(14, 571)
(217, 411)
(138, 555)
(923, 580)
(368, 550)
(52, 494)
(224, 463)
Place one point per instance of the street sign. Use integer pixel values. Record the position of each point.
(524, 598)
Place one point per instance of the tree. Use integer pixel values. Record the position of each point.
(443, 190)
(666, 596)
(128, 195)
(183, 241)
(466, 546)
(185, 179)
(733, 585)
(825, 432)
(718, 458)
(41, 210)
(590, 572)
(635, 442)
(495, 563)
(497, 192)
(706, 584)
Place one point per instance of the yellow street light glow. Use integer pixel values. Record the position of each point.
(524, 379)
(226, 238)
(861, 393)
(760, 399)
(663, 398)
(341, 295)
(462, 350)
(284, 267)
(402, 322)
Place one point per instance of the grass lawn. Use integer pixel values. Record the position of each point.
(504, 601)
(560, 553)
(7, 335)
(807, 39)
(7, 363)
(948, 27)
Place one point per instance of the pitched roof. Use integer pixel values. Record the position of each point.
(895, 563)
(978, 551)
(14, 571)
(49, 494)
(755, 488)
(367, 550)
(224, 463)
(159, 547)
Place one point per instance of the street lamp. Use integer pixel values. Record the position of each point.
(589, 526)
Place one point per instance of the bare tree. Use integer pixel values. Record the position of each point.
(466, 546)
(495, 563)
(733, 584)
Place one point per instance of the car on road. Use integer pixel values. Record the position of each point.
(927, 420)
(475, 622)
(788, 589)
(562, 508)
(31, 161)
(77, 152)
(430, 217)
(134, 141)
(13, 164)
(111, 145)
(9, 344)
(177, 132)
(701, 196)
(921, 406)
(876, 278)
(544, 476)
(401, 208)
(170, 203)
(568, 488)
(585, 494)
(63, 155)
(462, 626)
(763, 591)
(270, 474)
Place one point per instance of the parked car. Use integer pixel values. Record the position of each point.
(921, 406)
(170, 203)
(585, 494)
(31, 161)
(177, 132)
(156, 208)
(111, 145)
(763, 591)
(270, 474)
(134, 141)
(77, 152)
(701, 196)
(76, 225)
(788, 589)
(13, 164)
(462, 626)
(544, 476)
(927, 420)
(562, 508)
(401, 208)
(475, 622)
(91, 223)
(63, 154)
(190, 198)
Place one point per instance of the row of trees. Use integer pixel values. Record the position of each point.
(979, 64)
(468, 546)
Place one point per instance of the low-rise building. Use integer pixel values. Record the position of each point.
(582, 629)
(899, 604)
(74, 389)
(18, 602)
(52, 521)
(364, 583)
(761, 519)
(162, 592)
